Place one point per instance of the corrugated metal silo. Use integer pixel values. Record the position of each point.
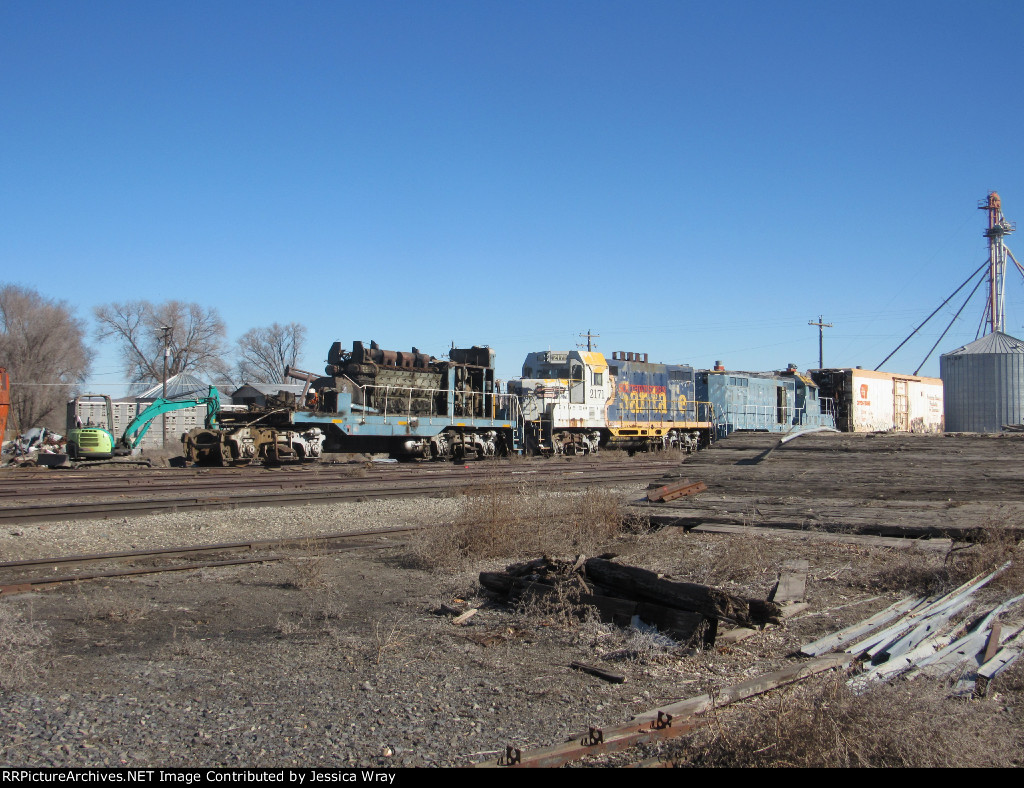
(984, 384)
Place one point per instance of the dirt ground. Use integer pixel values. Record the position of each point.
(340, 659)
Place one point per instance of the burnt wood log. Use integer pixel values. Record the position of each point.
(501, 583)
(679, 624)
(644, 585)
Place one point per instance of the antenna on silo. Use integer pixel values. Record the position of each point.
(998, 228)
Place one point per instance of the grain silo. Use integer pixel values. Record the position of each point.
(983, 384)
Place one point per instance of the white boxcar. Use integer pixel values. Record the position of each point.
(868, 401)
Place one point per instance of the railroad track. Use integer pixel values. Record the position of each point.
(132, 497)
(39, 482)
(38, 573)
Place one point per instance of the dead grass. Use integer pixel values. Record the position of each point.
(929, 573)
(736, 558)
(505, 520)
(322, 599)
(391, 635)
(20, 641)
(560, 608)
(823, 724)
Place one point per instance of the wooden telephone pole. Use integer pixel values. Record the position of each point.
(590, 340)
(821, 339)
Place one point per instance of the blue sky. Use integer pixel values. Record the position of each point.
(692, 180)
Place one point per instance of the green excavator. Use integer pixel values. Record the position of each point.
(95, 442)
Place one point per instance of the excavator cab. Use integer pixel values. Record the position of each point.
(92, 442)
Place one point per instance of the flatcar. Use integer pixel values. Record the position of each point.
(409, 405)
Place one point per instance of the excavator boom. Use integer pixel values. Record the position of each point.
(139, 426)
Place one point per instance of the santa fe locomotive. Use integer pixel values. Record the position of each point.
(578, 402)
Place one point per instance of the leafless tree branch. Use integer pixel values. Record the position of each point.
(196, 340)
(42, 346)
(263, 353)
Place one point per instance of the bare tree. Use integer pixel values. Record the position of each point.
(263, 353)
(42, 345)
(195, 337)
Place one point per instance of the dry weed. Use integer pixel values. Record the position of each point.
(645, 646)
(307, 573)
(504, 520)
(184, 646)
(929, 573)
(20, 640)
(390, 635)
(823, 724)
(559, 608)
(287, 626)
(322, 599)
(733, 558)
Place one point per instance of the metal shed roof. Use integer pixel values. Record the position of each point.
(180, 386)
(996, 343)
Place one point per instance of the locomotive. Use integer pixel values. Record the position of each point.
(764, 401)
(407, 404)
(578, 402)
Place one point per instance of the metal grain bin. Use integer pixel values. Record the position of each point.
(984, 384)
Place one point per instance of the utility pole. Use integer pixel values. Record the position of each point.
(821, 339)
(167, 352)
(590, 341)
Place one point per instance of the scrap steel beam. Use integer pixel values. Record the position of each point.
(672, 491)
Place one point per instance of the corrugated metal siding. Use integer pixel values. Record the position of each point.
(982, 391)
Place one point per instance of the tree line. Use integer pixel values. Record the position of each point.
(43, 346)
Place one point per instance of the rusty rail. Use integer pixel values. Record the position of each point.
(314, 541)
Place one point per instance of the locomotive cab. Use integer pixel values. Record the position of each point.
(562, 397)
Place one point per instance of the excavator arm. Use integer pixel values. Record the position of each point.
(139, 426)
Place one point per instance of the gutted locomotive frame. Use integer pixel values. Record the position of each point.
(406, 404)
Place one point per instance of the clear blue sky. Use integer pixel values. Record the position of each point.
(693, 180)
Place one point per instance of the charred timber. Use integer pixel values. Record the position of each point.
(643, 584)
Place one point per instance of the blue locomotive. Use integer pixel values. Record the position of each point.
(763, 401)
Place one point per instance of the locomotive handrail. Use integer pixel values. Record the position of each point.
(499, 402)
(768, 415)
(763, 413)
(698, 411)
